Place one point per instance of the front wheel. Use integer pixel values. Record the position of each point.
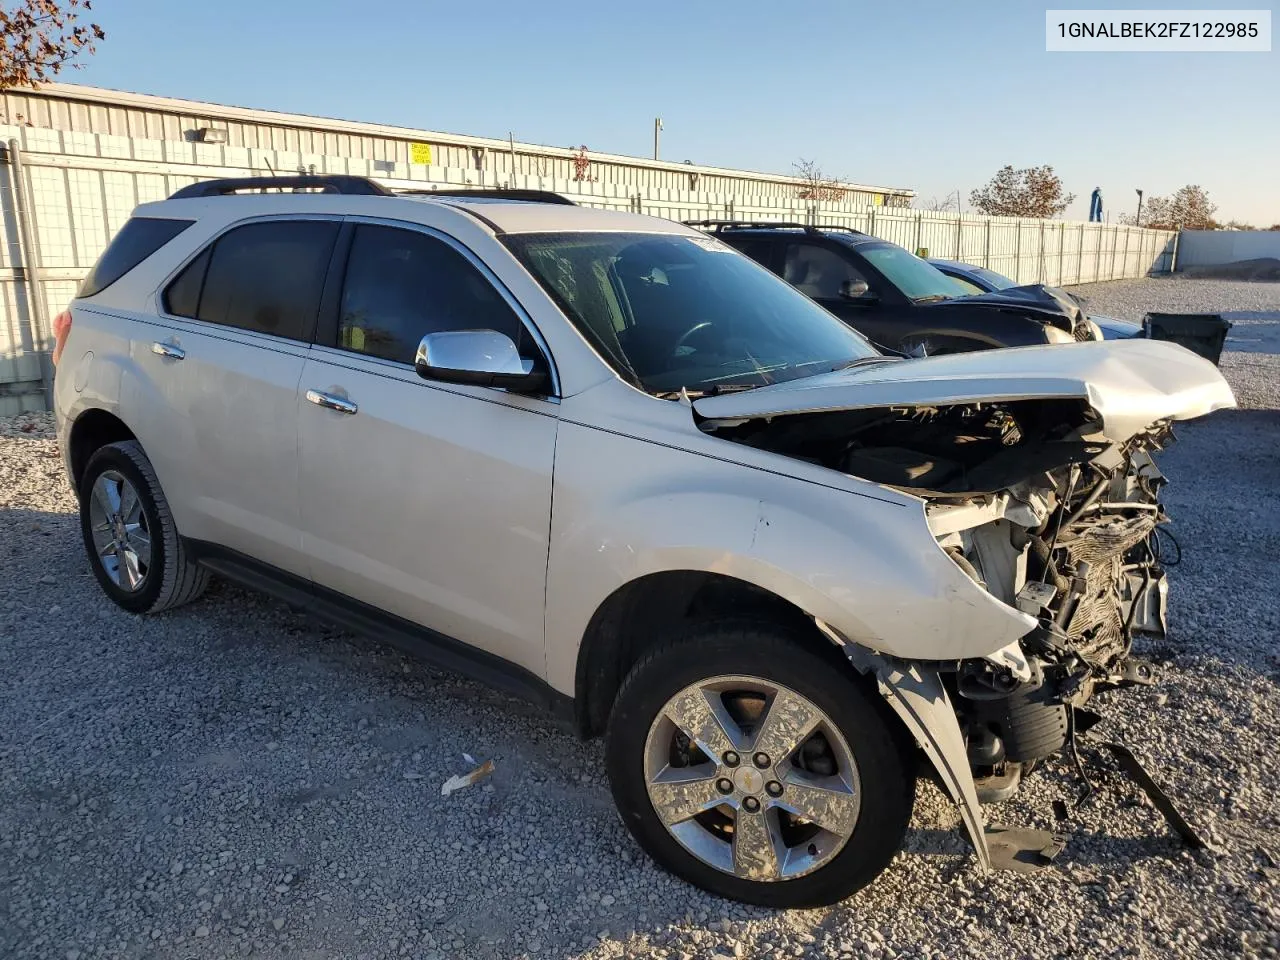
(757, 769)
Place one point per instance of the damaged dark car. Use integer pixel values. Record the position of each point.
(898, 301)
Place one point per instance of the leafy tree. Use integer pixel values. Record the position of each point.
(1031, 192)
(817, 185)
(1188, 209)
(39, 37)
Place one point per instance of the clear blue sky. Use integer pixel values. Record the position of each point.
(932, 96)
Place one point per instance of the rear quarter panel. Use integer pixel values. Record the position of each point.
(89, 375)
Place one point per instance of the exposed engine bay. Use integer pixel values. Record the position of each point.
(1037, 507)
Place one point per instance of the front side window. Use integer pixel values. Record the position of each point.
(818, 271)
(676, 311)
(402, 285)
(264, 277)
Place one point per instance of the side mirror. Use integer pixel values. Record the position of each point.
(482, 358)
(855, 290)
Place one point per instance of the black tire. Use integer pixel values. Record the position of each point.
(884, 754)
(172, 578)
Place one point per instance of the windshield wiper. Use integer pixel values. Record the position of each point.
(863, 361)
(932, 299)
(714, 390)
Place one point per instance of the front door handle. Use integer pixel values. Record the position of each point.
(170, 351)
(331, 401)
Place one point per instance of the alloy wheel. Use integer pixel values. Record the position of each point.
(119, 528)
(752, 778)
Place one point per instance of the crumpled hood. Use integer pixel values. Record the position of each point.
(1049, 304)
(1132, 384)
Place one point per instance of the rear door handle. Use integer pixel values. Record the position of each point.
(170, 351)
(331, 401)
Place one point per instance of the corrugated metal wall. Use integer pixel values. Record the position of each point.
(81, 187)
(77, 109)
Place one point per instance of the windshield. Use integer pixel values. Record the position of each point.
(916, 278)
(674, 311)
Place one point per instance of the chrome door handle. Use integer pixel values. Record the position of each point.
(168, 350)
(331, 402)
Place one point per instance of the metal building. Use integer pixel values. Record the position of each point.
(75, 162)
(447, 158)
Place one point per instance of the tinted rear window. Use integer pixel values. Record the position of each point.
(137, 240)
(266, 277)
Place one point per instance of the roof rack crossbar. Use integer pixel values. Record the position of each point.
(324, 183)
(493, 193)
(718, 225)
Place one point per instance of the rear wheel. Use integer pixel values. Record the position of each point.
(130, 536)
(753, 767)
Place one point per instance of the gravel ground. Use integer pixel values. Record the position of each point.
(234, 778)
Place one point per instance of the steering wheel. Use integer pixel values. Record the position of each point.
(700, 325)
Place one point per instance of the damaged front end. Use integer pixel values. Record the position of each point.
(1049, 503)
(1041, 510)
(1078, 548)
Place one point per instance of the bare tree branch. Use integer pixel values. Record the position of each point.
(817, 185)
(39, 37)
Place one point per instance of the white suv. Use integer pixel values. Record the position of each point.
(607, 462)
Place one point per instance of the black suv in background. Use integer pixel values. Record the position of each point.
(896, 300)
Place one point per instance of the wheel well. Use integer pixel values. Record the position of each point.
(647, 611)
(91, 431)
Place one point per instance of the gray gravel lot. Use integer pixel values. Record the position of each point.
(234, 778)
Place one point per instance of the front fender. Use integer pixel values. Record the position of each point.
(625, 508)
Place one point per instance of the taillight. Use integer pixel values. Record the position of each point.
(61, 330)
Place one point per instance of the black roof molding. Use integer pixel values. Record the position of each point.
(323, 183)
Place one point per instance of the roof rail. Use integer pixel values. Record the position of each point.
(494, 193)
(718, 225)
(324, 183)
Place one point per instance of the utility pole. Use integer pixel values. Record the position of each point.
(657, 135)
(1138, 219)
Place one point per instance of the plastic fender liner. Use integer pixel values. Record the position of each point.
(920, 701)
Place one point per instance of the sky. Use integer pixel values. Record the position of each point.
(931, 96)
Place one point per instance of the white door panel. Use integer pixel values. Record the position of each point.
(221, 427)
(431, 502)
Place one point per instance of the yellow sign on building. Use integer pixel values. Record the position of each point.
(419, 153)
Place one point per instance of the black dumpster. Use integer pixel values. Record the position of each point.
(1205, 333)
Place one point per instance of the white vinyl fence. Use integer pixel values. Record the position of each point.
(76, 189)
